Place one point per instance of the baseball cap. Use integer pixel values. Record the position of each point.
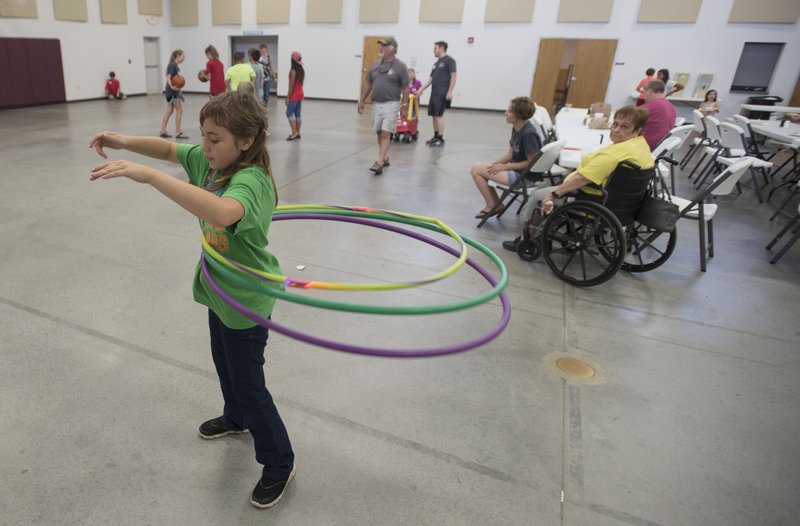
(388, 41)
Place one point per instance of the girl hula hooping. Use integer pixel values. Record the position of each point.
(232, 193)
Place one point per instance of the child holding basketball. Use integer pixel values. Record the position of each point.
(232, 193)
(174, 97)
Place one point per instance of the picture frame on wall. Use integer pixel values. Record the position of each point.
(702, 85)
(682, 78)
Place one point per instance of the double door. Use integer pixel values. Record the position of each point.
(572, 72)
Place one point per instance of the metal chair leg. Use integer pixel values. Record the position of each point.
(786, 247)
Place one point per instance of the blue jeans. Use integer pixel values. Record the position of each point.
(265, 94)
(293, 110)
(239, 358)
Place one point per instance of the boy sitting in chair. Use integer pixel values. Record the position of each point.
(627, 144)
(524, 144)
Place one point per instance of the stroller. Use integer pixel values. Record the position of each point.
(407, 124)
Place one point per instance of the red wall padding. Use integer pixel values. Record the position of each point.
(31, 72)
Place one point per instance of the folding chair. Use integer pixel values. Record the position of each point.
(702, 212)
(664, 161)
(537, 171)
(699, 142)
(795, 191)
(734, 143)
(710, 144)
(792, 241)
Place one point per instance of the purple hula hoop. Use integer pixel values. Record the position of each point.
(358, 349)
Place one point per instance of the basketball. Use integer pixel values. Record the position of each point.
(202, 75)
(178, 81)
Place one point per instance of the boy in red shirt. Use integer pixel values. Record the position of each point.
(112, 88)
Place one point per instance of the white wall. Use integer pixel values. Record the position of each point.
(499, 65)
(89, 50)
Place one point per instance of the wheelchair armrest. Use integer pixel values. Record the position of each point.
(673, 162)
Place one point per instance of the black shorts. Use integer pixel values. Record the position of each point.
(437, 104)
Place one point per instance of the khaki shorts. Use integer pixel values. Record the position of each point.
(384, 116)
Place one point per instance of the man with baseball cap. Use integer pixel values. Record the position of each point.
(388, 81)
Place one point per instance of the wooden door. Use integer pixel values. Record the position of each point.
(795, 100)
(593, 62)
(371, 53)
(545, 75)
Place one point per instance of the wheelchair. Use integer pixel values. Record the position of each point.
(588, 239)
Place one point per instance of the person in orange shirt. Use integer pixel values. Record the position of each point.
(642, 83)
(112, 88)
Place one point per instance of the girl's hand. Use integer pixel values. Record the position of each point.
(136, 172)
(107, 139)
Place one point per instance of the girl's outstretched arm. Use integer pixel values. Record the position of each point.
(154, 147)
(219, 211)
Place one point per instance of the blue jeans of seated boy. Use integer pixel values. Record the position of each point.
(239, 359)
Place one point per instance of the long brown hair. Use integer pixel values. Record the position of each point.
(214, 53)
(245, 117)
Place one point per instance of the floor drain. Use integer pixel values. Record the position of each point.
(575, 367)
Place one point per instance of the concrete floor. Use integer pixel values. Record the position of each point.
(106, 371)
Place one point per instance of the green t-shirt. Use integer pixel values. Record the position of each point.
(244, 242)
(598, 166)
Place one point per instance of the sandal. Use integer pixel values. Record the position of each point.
(164, 135)
(181, 135)
(377, 168)
(386, 162)
(485, 214)
(292, 137)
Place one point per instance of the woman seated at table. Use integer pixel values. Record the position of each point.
(510, 166)
(627, 144)
(710, 106)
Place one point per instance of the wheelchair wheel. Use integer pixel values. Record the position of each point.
(583, 243)
(648, 248)
(529, 249)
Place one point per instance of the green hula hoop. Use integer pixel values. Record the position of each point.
(369, 212)
(231, 272)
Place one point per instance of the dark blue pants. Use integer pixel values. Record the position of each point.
(239, 358)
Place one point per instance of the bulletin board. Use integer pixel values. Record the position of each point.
(272, 11)
(509, 11)
(759, 11)
(379, 11)
(583, 11)
(323, 11)
(673, 11)
(226, 12)
(71, 10)
(114, 11)
(151, 7)
(184, 13)
(18, 9)
(441, 10)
